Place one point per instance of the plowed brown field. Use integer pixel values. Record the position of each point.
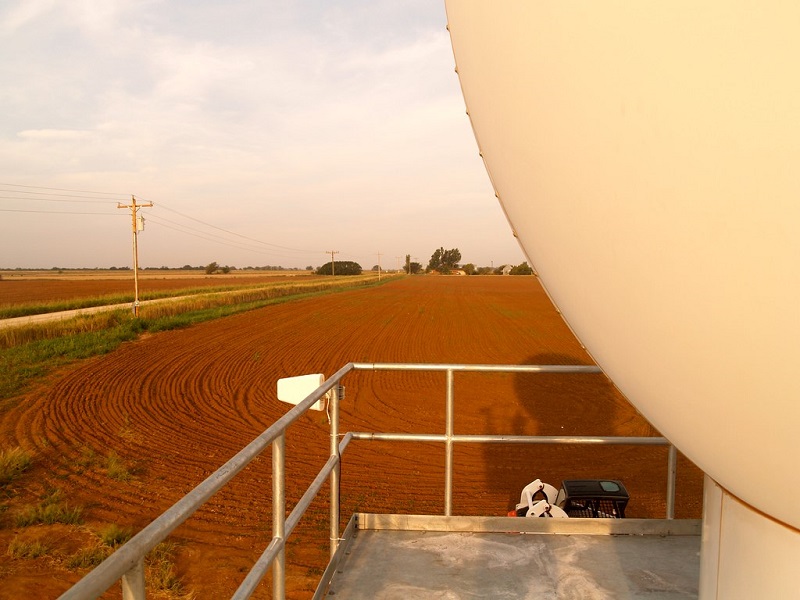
(37, 289)
(178, 404)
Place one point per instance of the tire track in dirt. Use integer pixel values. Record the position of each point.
(176, 405)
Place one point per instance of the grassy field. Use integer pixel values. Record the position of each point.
(31, 351)
(38, 308)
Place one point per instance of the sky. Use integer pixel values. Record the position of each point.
(264, 133)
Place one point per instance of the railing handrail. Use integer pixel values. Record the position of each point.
(361, 366)
(126, 563)
(128, 556)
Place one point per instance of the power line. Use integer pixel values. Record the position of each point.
(33, 193)
(37, 195)
(38, 187)
(92, 200)
(56, 212)
(216, 240)
(161, 205)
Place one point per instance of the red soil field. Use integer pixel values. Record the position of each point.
(176, 405)
(28, 290)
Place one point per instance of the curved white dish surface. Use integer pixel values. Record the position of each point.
(648, 158)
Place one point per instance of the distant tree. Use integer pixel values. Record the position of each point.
(522, 269)
(451, 258)
(226, 269)
(469, 269)
(309, 268)
(415, 268)
(375, 268)
(211, 268)
(444, 260)
(340, 267)
(484, 271)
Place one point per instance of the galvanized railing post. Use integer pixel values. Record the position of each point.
(672, 468)
(448, 460)
(128, 562)
(279, 514)
(336, 472)
(133, 583)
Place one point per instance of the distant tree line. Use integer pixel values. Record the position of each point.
(446, 261)
(165, 268)
(442, 261)
(217, 268)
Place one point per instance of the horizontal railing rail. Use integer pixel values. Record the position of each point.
(127, 563)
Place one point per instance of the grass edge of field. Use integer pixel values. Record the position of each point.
(93, 335)
(27, 309)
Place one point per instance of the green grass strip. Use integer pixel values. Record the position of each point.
(19, 365)
(40, 308)
(22, 362)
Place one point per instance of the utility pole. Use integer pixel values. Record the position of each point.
(333, 264)
(379, 265)
(138, 225)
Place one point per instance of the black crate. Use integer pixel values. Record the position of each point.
(593, 498)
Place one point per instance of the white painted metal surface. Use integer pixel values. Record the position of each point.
(293, 390)
(645, 154)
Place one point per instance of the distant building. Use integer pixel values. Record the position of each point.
(507, 269)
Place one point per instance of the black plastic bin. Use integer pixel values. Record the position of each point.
(593, 498)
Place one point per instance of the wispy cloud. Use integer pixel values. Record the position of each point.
(273, 121)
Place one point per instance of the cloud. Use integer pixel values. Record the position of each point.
(55, 135)
(269, 121)
(23, 13)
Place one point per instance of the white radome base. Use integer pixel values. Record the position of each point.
(745, 554)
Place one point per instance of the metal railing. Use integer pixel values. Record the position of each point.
(127, 563)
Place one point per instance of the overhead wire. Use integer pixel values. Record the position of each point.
(58, 212)
(35, 193)
(162, 205)
(31, 193)
(161, 222)
(39, 187)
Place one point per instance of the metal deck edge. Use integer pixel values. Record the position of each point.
(348, 535)
(661, 527)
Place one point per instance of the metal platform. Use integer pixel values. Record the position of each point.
(406, 556)
(409, 556)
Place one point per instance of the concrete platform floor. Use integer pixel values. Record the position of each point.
(388, 565)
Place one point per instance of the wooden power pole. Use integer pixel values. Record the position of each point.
(333, 263)
(138, 225)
